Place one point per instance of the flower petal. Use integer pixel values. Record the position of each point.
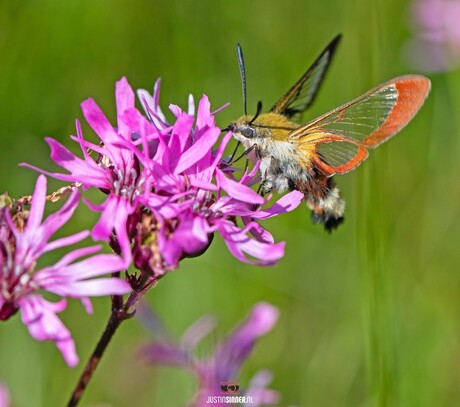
(40, 317)
(239, 243)
(285, 204)
(110, 216)
(195, 333)
(236, 190)
(238, 345)
(124, 97)
(165, 354)
(93, 288)
(97, 120)
(198, 150)
(56, 220)
(37, 206)
(66, 241)
(204, 118)
(258, 391)
(151, 106)
(85, 171)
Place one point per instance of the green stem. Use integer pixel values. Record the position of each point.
(116, 318)
(120, 312)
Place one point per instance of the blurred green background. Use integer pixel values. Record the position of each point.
(369, 314)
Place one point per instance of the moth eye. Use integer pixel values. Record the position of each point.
(248, 132)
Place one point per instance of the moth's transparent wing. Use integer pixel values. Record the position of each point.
(337, 141)
(303, 93)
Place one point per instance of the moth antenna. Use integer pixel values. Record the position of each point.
(258, 112)
(243, 76)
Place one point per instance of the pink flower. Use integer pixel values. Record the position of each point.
(168, 190)
(229, 355)
(116, 169)
(435, 45)
(193, 198)
(23, 241)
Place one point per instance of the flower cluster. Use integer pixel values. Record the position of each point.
(230, 353)
(24, 238)
(167, 190)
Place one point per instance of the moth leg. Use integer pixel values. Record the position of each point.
(265, 187)
(245, 153)
(234, 152)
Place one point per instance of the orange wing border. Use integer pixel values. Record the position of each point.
(409, 93)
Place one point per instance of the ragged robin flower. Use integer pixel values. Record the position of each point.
(169, 188)
(435, 43)
(223, 366)
(24, 238)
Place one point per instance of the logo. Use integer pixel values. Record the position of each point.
(230, 395)
(230, 387)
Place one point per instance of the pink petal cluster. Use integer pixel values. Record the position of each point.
(224, 365)
(168, 192)
(23, 240)
(435, 45)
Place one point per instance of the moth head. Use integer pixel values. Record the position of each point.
(243, 128)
